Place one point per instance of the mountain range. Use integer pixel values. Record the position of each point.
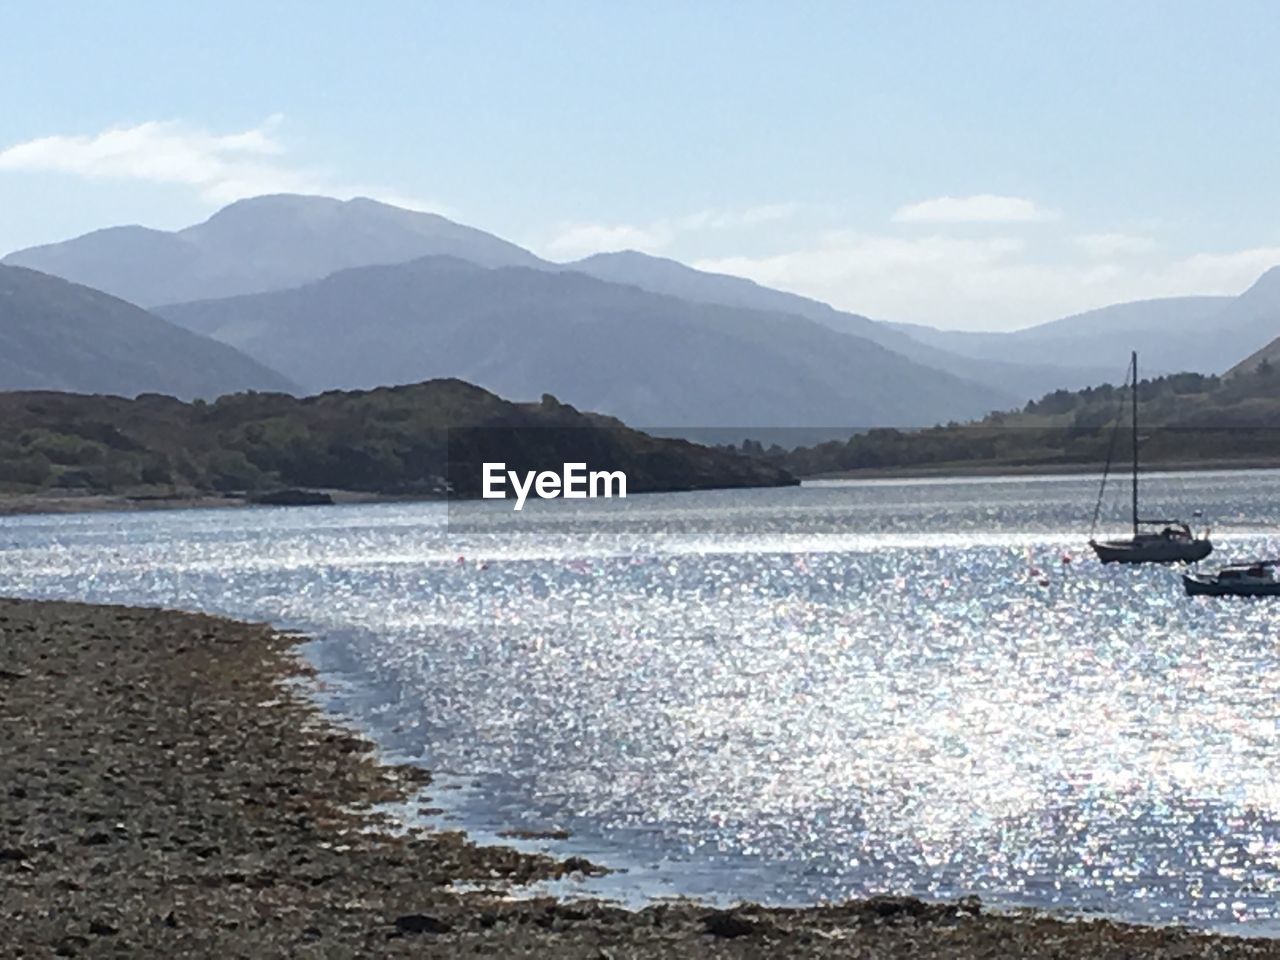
(1203, 334)
(266, 243)
(651, 359)
(63, 336)
(1015, 379)
(359, 293)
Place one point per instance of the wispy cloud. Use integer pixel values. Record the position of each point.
(842, 254)
(572, 240)
(1229, 272)
(750, 217)
(1104, 246)
(987, 283)
(942, 275)
(220, 167)
(978, 208)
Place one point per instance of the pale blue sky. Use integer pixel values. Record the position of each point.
(1091, 151)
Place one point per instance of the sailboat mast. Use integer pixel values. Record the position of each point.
(1135, 443)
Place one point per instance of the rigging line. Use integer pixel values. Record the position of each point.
(1111, 449)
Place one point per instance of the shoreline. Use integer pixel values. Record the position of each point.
(172, 789)
(960, 471)
(35, 504)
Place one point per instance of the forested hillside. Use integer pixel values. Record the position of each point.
(1185, 419)
(420, 440)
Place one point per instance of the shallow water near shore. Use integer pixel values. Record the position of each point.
(781, 695)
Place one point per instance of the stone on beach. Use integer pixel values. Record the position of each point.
(169, 791)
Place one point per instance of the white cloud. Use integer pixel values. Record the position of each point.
(220, 167)
(845, 254)
(979, 208)
(1224, 272)
(1106, 245)
(574, 240)
(988, 283)
(752, 216)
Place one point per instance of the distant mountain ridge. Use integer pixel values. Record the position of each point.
(270, 244)
(1254, 316)
(1258, 311)
(651, 359)
(1171, 333)
(1206, 334)
(277, 242)
(661, 275)
(57, 335)
(260, 244)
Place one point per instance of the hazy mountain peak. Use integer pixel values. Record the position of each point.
(1266, 286)
(292, 211)
(628, 256)
(276, 242)
(646, 356)
(280, 201)
(638, 260)
(118, 241)
(664, 275)
(660, 275)
(265, 207)
(261, 244)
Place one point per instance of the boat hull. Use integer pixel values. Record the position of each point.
(1197, 585)
(1155, 550)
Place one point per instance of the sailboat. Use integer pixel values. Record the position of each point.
(1172, 543)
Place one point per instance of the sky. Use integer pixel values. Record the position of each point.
(977, 165)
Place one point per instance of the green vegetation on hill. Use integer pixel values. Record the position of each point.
(1185, 418)
(421, 440)
(1265, 360)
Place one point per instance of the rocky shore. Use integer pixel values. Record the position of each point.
(168, 790)
(85, 502)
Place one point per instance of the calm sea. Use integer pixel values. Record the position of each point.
(782, 695)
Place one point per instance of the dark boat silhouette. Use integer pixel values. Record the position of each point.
(1256, 579)
(1173, 542)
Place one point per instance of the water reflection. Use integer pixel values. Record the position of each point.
(781, 695)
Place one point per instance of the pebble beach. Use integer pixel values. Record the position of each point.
(169, 788)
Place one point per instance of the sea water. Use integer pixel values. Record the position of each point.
(788, 695)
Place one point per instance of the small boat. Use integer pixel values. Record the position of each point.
(1257, 579)
(1175, 543)
(1172, 543)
